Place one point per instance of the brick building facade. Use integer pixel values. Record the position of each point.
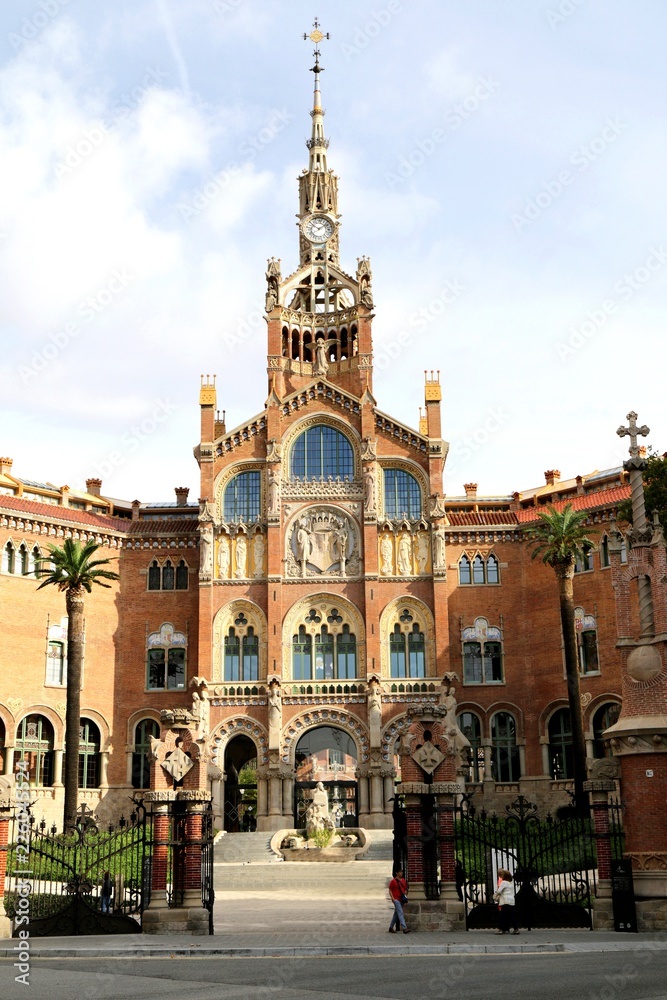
(320, 588)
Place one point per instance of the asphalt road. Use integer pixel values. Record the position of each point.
(591, 976)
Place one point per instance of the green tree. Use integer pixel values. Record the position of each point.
(655, 490)
(560, 539)
(72, 570)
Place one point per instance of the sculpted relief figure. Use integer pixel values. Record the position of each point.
(374, 697)
(274, 491)
(404, 555)
(340, 547)
(386, 555)
(439, 548)
(258, 555)
(422, 552)
(303, 545)
(206, 549)
(223, 557)
(369, 489)
(241, 557)
(275, 704)
(321, 363)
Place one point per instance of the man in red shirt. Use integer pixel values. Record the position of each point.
(398, 889)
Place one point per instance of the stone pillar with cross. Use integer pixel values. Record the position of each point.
(430, 758)
(179, 796)
(639, 738)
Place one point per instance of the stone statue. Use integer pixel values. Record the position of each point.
(317, 813)
(274, 491)
(422, 552)
(404, 555)
(374, 700)
(321, 364)
(223, 557)
(303, 545)
(367, 297)
(448, 701)
(275, 704)
(258, 555)
(272, 282)
(439, 548)
(241, 557)
(340, 537)
(386, 555)
(369, 489)
(206, 550)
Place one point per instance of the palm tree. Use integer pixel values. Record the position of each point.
(560, 539)
(73, 570)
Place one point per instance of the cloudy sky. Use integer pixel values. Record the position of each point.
(502, 162)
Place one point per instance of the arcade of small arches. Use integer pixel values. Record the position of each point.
(20, 559)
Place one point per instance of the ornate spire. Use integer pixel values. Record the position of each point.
(317, 144)
(318, 186)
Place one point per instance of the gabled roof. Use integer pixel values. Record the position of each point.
(88, 518)
(465, 518)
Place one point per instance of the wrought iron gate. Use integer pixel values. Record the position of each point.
(63, 876)
(553, 863)
(400, 842)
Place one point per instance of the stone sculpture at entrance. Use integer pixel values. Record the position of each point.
(318, 816)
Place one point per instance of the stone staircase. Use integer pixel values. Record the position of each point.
(382, 846)
(244, 848)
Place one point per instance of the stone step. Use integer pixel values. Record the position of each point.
(305, 880)
(243, 847)
(382, 846)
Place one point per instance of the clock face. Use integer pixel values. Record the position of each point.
(318, 229)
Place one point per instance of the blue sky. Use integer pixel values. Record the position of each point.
(502, 163)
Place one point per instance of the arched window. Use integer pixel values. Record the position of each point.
(302, 655)
(561, 758)
(465, 571)
(604, 552)
(587, 642)
(8, 558)
(492, 570)
(89, 755)
(624, 550)
(241, 655)
(34, 744)
(482, 653)
(242, 498)
(24, 560)
(324, 648)
(478, 574)
(583, 564)
(505, 762)
(182, 576)
(470, 726)
(166, 659)
(141, 769)
(407, 652)
(322, 452)
(35, 559)
(154, 575)
(402, 495)
(55, 664)
(168, 575)
(605, 716)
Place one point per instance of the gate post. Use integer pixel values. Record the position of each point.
(598, 790)
(178, 775)
(5, 921)
(430, 758)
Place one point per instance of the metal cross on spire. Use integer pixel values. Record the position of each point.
(316, 36)
(632, 432)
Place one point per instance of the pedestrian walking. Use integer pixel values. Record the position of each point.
(398, 891)
(107, 889)
(504, 896)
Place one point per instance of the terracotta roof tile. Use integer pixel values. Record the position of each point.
(166, 526)
(84, 517)
(471, 517)
(586, 501)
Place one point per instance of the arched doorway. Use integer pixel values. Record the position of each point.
(240, 805)
(329, 755)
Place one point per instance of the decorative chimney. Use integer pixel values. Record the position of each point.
(6, 466)
(136, 504)
(94, 487)
(182, 495)
(471, 490)
(516, 502)
(552, 476)
(580, 485)
(64, 496)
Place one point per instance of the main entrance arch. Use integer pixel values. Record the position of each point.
(240, 804)
(329, 755)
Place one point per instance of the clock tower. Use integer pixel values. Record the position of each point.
(319, 317)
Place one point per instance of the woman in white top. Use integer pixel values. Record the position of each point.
(505, 897)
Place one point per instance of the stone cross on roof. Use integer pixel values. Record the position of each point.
(632, 432)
